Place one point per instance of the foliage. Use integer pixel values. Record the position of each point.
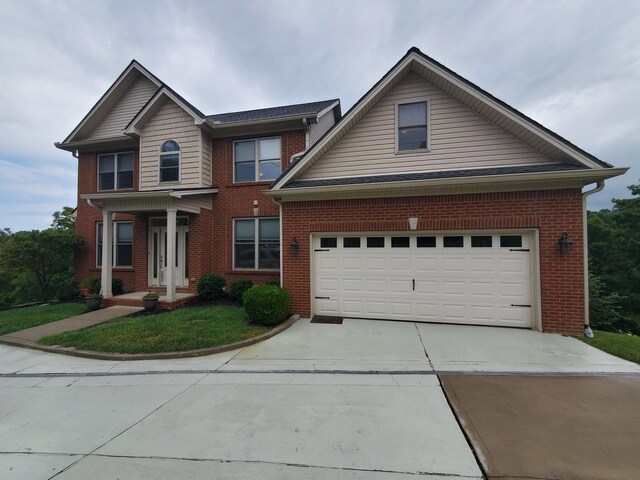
(93, 284)
(117, 286)
(618, 344)
(237, 289)
(187, 328)
(211, 287)
(605, 309)
(16, 319)
(64, 219)
(45, 254)
(266, 304)
(151, 296)
(614, 249)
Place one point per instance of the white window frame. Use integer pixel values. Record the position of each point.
(114, 263)
(115, 171)
(256, 239)
(427, 100)
(161, 154)
(256, 158)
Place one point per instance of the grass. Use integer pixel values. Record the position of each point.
(179, 330)
(16, 319)
(618, 344)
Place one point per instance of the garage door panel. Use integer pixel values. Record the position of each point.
(471, 285)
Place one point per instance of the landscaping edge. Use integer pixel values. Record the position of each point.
(152, 356)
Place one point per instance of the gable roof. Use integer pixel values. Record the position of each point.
(297, 110)
(496, 111)
(134, 68)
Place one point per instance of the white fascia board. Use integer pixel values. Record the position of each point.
(149, 194)
(540, 179)
(328, 109)
(345, 121)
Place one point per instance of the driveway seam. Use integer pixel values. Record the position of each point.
(424, 348)
(126, 429)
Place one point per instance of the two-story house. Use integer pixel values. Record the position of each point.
(430, 200)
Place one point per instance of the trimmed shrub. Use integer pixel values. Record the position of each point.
(237, 289)
(266, 304)
(117, 286)
(272, 282)
(211, 287)
(92, 284)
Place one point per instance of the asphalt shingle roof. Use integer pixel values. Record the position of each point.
(274, 112)
(477, 172)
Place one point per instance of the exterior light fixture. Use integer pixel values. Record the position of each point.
(294, 246)
(413, 223)
(564, 244)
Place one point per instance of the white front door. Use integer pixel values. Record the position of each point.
(158, 256)
(470, 278)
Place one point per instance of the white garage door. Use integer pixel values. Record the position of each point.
(479, 278)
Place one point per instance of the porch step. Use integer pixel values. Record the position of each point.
(135, 300)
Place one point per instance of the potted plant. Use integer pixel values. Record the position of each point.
(93, 301)
(150, 300)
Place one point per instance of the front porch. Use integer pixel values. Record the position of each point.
(134, 299)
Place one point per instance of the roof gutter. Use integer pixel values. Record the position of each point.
(585, 252)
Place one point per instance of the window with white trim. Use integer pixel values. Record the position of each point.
(256, 243)
(170, 162)
(257, 160)
(115, 171)
(412, 131)
(122, 244)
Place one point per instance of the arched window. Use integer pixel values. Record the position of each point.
(170, 161)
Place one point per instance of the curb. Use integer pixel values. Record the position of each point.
(149, 356)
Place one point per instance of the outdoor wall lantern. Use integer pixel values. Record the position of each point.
(564, 244)
(294, 246)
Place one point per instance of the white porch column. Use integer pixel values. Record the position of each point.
(171, 254)
(107, 253)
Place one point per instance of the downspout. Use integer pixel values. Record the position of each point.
(585, 251)
(279, 204)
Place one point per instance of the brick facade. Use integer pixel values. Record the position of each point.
(210, 232)
(552, 212)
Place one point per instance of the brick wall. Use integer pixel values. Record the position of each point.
(552, 212)
(210, 232)
(235, 200)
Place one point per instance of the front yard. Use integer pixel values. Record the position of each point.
(16, 319)
(178, 330)
(618, 344)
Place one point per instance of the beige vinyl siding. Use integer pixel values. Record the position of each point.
(460, 139)
(170, 123)
(124, 110)
(195, 201)
(206, 160)
(317, 130)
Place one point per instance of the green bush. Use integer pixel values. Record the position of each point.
(117, 286)
(266, 304)
(237, 289)
(94, 284)
(211, 287)
(605, 310)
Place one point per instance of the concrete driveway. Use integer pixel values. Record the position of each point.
(351, 401)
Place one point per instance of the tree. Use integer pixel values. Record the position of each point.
(64, 219)
(45, 254)
(614, 249)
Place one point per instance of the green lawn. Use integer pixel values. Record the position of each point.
(618, 344)
(16, 319)
(183, 329)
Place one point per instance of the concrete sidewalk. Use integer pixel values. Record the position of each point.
(30, 336)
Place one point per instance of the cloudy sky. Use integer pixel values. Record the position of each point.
(573, 66)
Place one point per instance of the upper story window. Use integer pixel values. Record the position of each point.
(115, 171)
(257, 160)
(412, 126)
(170, 162)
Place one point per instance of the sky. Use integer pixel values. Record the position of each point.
(572, 66)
